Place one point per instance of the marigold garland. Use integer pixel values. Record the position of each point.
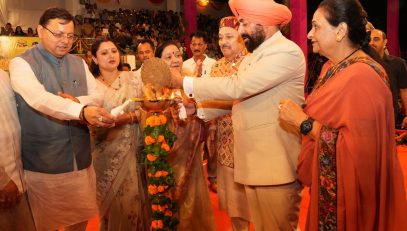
(158, 142)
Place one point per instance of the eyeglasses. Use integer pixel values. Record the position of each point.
(70, 37)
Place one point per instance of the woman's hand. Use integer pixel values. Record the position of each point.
(97, 116)
(122, 119)
(126, 118)
(190, 107)
(291, 113)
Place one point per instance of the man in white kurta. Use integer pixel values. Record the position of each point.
(145, 50)
(265, 150)
(15, 213)
(54, 92)
(199, 64)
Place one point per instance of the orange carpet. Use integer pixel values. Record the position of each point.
(222, 220)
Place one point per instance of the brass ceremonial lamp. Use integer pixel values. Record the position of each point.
(158, 141)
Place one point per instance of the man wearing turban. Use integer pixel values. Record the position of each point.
(265, 149)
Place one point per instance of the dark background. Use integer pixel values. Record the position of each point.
(377, 15)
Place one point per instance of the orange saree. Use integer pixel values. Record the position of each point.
(351, 167)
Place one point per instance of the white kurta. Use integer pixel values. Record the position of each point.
(189, 66)
(57, 200)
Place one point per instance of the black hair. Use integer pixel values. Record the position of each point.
(199, 34)
(384, 36)
(147, 41)
(161, 47)
(352, 13)
(126, 65)
(53, 13)
(94, 68)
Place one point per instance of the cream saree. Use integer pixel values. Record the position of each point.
(120, 177)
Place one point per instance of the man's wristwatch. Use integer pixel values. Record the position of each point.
(306, 126)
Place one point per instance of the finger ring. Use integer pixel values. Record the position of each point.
(101, 119)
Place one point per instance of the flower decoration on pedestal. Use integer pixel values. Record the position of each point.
(158, 142)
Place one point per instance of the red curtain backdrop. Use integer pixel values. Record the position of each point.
(393, 27)
(298, 25)
(190, 16)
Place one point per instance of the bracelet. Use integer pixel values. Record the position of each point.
(82, 114)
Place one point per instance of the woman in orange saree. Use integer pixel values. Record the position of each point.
(348, 156)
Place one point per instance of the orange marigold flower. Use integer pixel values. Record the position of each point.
(151, 157)
(149, 174)
(154, 224)
(165, 146)
(154, 207)
(161, 208)
(161, 188)
(160, 224)
(164, 173)
(150, 121)
(152, 189)
(157, 224)
(158, 174)
(168, 213)
(158, 121)
(163, 119)
(160, 139)
(149, 140)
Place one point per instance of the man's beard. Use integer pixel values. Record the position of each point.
(254, 40)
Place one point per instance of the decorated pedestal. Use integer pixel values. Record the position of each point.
(158, 140)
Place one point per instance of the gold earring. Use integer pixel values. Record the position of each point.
(338, 38)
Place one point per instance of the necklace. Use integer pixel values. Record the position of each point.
(353, 52)
(110, 84)
(332, 70)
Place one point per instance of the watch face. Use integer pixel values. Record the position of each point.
(306, 126)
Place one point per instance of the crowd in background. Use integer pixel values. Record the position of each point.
(127, 27)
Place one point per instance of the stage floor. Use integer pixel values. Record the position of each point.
(222, 220)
